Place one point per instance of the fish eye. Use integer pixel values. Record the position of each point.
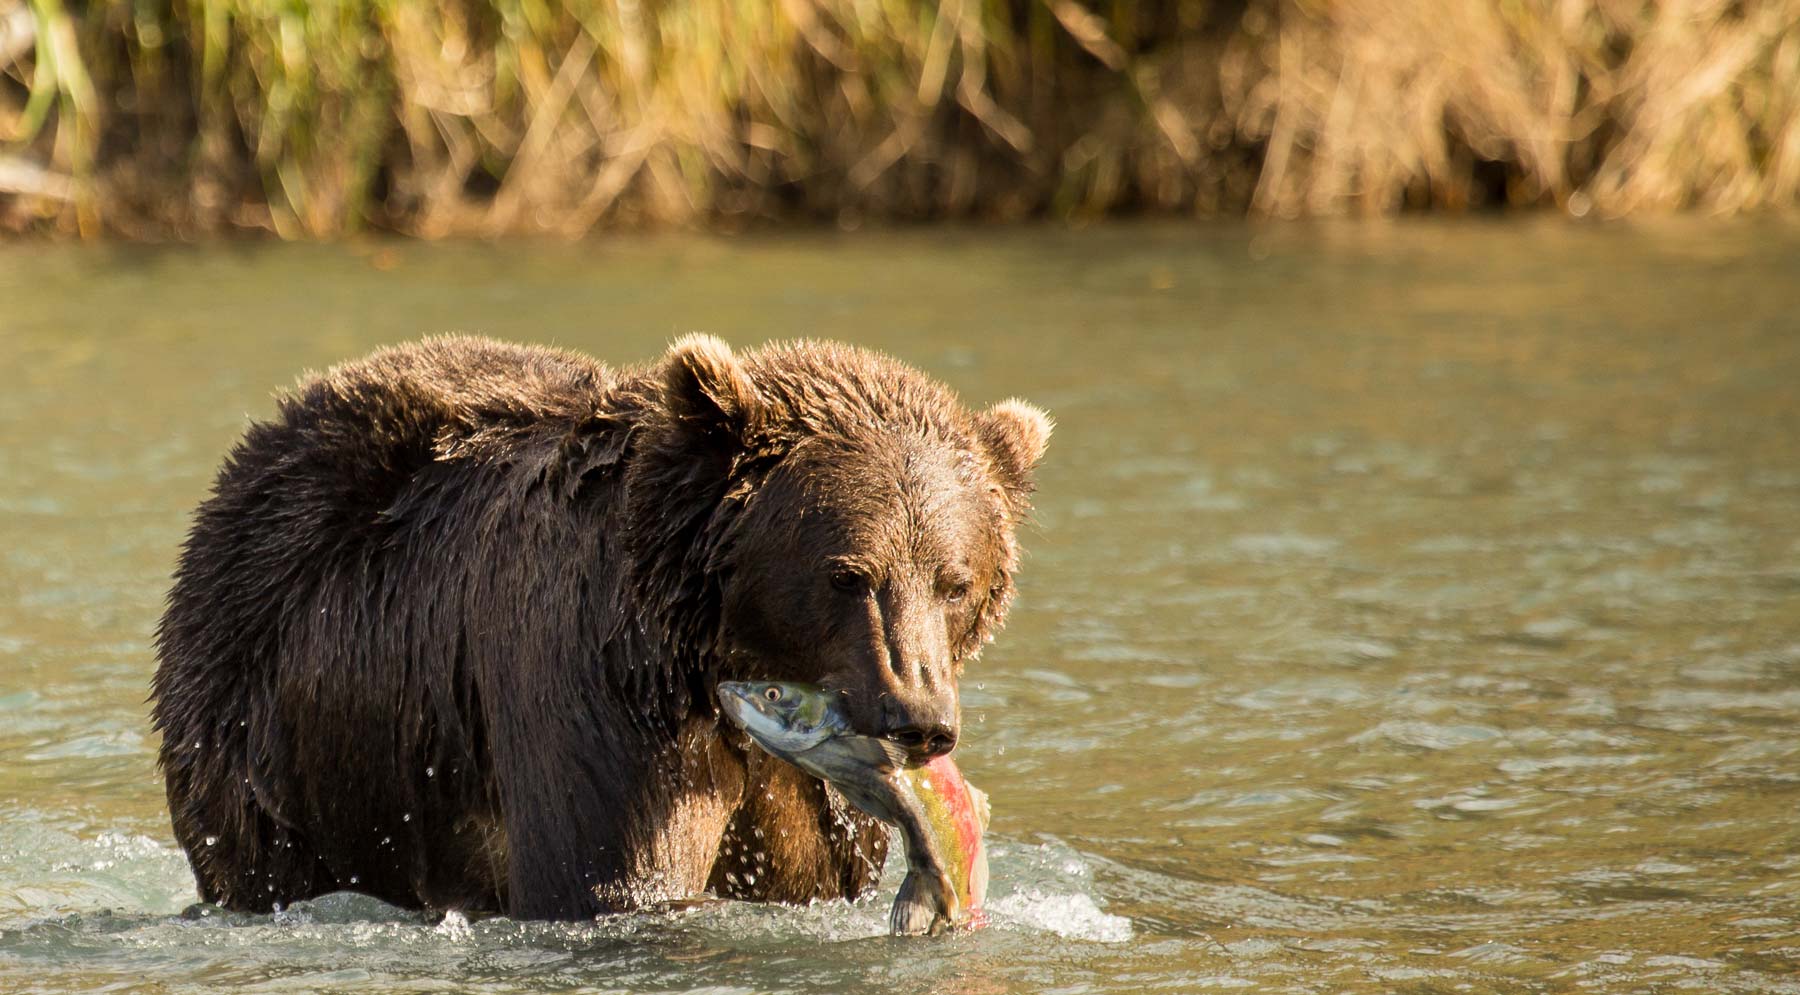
(772, 693)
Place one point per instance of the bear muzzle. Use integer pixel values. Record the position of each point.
(925, 725)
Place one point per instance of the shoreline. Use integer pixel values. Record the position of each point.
(476, 121)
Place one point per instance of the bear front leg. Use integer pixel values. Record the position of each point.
(792, 841)
(598, 826)
(706, 786)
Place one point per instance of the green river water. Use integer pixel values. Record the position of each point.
(1410, 607)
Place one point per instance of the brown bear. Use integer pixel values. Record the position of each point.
(447, 630)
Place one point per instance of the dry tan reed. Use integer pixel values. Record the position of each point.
(310, 119)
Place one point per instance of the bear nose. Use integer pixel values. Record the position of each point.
(922, 722)
(924, 742)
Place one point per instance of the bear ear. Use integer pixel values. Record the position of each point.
(707, 387)
(1015, 434)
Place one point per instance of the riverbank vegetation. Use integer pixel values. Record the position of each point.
(157, 119)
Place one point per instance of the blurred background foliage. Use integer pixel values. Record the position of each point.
(151, 118)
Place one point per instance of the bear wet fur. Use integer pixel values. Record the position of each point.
(446, 631)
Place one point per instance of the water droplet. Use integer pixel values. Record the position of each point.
(406, 817)
(355, 879)
(431, 772)
(212, 841)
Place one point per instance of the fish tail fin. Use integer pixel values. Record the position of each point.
(922, 906)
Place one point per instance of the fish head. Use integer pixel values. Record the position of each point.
(784, 717)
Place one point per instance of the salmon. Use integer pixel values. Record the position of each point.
(940, 815)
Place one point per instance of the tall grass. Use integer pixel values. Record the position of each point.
(174, 117)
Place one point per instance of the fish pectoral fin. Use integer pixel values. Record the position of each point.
(893, 754)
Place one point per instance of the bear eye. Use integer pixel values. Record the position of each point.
(845, 579)
(772, 693)
(953, 586)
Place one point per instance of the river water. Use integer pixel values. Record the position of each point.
(1410, 608)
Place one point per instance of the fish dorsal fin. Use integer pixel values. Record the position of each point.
(983, 811)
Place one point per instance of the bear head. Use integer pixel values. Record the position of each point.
(814, 512)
